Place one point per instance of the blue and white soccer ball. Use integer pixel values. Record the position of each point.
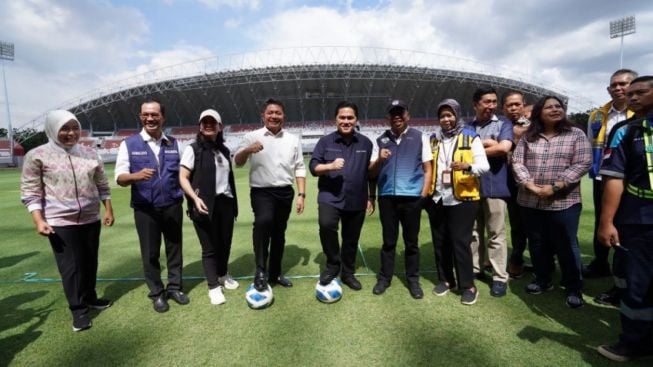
(329, 293)
(258, 300)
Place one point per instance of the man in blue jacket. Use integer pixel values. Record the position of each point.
(404, 168)
(149, 162)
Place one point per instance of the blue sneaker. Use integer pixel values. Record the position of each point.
(498, 289)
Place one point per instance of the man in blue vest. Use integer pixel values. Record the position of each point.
(149, 162)
(403, 164)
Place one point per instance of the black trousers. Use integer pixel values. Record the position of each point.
(517, 232)
(404, 210)
(451, 232)
(151, 224)
(637, 304)
(340, 260)
(271, 206)
(215, 236)
(601, 253)
(75, 250)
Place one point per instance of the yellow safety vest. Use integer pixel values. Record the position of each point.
(466, 186)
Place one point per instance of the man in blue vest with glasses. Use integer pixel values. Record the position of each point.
(149, 163)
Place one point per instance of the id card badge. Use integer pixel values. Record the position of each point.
(446, 178)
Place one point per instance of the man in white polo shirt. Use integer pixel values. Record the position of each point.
(275, 160)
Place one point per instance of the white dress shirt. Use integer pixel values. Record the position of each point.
(279, 162)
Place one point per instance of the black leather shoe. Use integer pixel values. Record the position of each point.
(179, 297)
(380, 287)
(593, 272)
(160, 303)
(260, 282)
(282, 281)
(326, 278)
(352, 282)
(416, 291)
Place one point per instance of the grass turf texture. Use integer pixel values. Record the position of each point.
(361, 329)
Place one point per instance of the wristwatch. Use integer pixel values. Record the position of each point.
(302, 194)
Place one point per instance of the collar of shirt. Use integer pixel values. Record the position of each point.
(492, 119)
(270, 133)
(400, 135)
(613, 110)
(148, 138)
(340, 138)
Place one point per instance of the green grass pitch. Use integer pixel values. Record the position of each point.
(360, 330)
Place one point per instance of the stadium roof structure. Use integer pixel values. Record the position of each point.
(309, 80)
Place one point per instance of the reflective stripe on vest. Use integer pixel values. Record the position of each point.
(648, 151)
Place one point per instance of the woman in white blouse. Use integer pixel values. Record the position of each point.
(207, 179)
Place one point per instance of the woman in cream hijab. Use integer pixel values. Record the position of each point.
(62, 185)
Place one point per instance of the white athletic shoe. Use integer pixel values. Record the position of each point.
(228, 282)
(216, 296)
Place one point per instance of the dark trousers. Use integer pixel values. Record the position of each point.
(517, 232)
(451, 232)
(271, 206)
(601, 253)
(75, 250)
(637, 303)
(215, 234)
(553, 232)
(151, 223)
(340, 259)
(404, 210)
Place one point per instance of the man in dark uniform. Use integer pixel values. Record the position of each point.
(640, 100)
(341, 161)
(627, 225)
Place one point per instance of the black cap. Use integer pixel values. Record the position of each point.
(396, 104)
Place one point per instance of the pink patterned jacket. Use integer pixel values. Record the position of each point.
(66, 185)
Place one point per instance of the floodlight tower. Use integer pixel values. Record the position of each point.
(620, 28)
(7, 53)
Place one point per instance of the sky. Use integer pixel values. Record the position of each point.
(66, 48)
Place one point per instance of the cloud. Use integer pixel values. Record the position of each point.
(62, 48)
(159, 60)
(557, 44)
(237, 4)
(232, 23)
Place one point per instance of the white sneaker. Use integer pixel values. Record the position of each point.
(228, 282)
(216, 296)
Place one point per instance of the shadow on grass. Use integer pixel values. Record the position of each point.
(426, 263)
(8, 261)
(131, 273)
(26, 319)
(294, 255)
(590, 325)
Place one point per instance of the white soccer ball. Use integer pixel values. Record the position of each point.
(329, 293)
(258, 300)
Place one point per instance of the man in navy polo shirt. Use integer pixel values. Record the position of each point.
(149, 162)
(497, 136)
(341, 160)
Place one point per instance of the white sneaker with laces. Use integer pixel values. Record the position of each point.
(228, 282)
(216, 296)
